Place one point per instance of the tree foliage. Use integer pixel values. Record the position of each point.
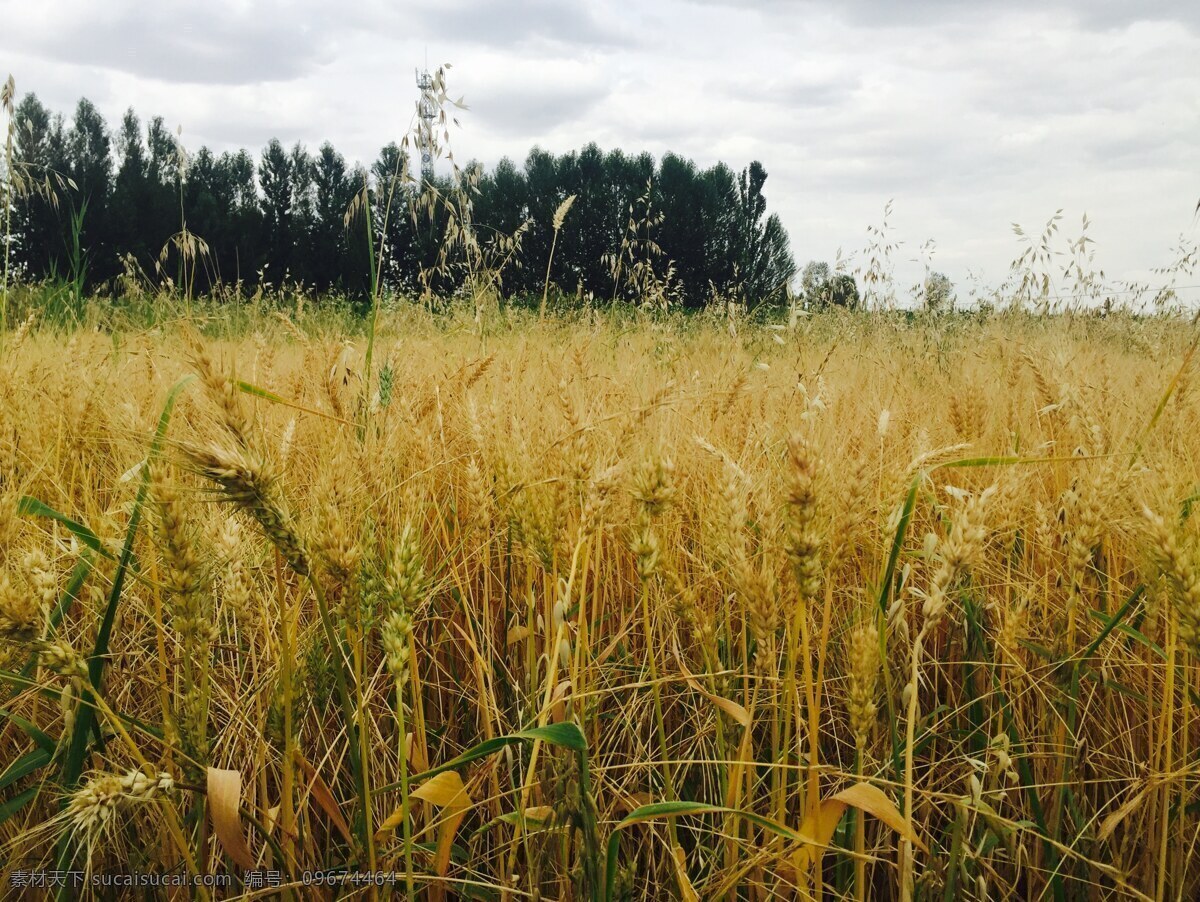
(821, 289)
(691, 233)
(937, 293)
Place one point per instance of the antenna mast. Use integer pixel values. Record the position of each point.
(426, 112)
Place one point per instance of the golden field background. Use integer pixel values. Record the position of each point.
(714, 553)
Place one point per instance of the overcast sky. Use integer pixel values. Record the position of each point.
(970, 117)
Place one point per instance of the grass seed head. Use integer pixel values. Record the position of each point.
(58, 655)
(93, 810)
(396, 640)
(406, 576)
(654, 485)
(958, 551)
(1179, 569)
(862, 654)
(222, 391)
(247, 483)
(802, 538)
(20, 615)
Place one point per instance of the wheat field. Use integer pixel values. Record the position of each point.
(871, 606)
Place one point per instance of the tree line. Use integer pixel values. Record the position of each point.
(132, 201)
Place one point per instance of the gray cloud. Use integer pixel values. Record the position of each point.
(218, 43)
(1091, 14)
(971, 116)
(522, 24)
(516, 112)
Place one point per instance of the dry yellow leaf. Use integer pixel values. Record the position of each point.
(1110, 823)
(324, 797)
(224, 799)
(446, 791)
(870, 798)
(732, 708)
(821, 824)
(685, 885)
(538, 814)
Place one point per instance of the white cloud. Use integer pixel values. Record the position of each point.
(969, 116)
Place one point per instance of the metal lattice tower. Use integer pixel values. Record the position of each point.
(426, 112)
